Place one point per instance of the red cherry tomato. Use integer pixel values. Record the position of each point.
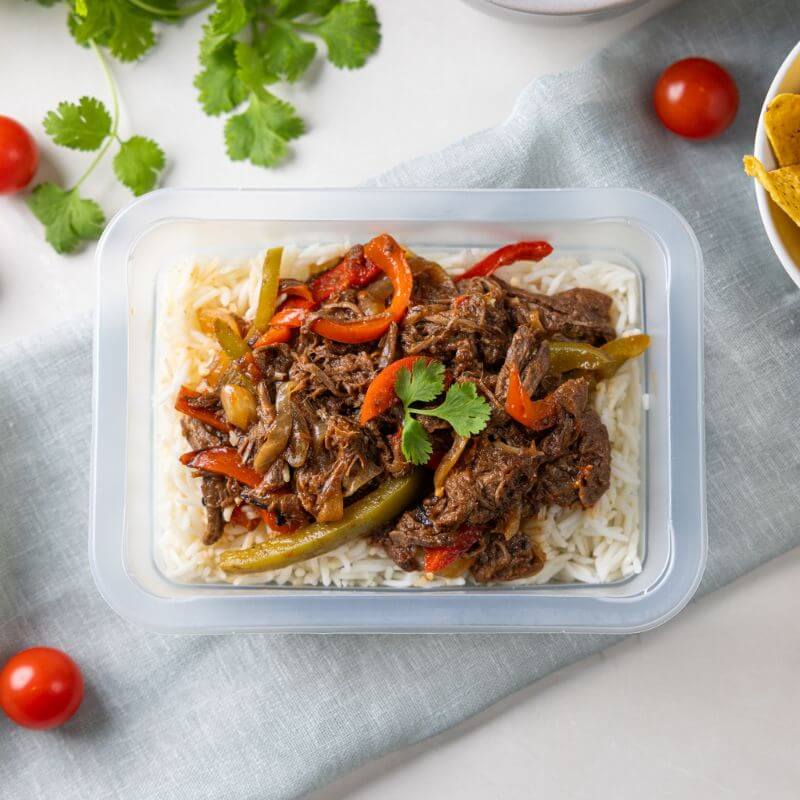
(40, 687)
(19, 156)
(696, 98)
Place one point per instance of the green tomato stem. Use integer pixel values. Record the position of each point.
(115, 119)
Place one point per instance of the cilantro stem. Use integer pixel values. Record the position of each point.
(115, 124)
(174, 13)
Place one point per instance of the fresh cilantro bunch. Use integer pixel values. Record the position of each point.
(247, 47)
(87, 125)
(466, 412)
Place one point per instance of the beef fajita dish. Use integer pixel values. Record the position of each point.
(370, 415)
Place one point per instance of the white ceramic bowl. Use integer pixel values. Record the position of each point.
(560, 10)
(784, 235)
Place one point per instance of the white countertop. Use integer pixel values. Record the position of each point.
(706, 707)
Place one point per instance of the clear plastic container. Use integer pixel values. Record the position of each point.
(619, 225)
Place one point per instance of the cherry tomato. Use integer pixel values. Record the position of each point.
(40, 687)
(696, 98)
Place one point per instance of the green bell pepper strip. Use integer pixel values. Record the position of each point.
(231, 343)
(369, 513)
(603, 361)
(268, 293)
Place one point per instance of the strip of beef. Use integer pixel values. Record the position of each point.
(201, 436)
(214, 489)
(576, 314)
(582, 473)
(405, 556)
(216, 497)
(530, 356)
(502, 560)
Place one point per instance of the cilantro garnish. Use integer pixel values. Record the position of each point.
(249, 46)
(466, 412)
(69, 218)
(246, 46)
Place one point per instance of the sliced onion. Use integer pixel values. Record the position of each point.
(448, 462)
(332, 508)
(239, 405)
(300, 441)
(370, 304)
(512, 521)
(279, 431)
(352, 484)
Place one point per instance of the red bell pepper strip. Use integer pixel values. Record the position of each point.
(238, 517)
(222, 461)
(388, 256)
(362, 330)
(380, 393)
(274, 335)
(354, 270)
(300, 290)
(272, 522)
(438, 558)
(203, 414)
(293, 312)
(520, 251)
(535, 414)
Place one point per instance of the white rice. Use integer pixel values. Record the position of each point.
(597, 545)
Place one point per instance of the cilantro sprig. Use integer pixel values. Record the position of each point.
(466, 412)
(247, 47)
(67, 216)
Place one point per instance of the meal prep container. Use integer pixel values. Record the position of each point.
(621, 225)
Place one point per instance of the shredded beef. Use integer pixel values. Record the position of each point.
(201, 436)
(480, 328)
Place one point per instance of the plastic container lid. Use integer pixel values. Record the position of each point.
(619, 225)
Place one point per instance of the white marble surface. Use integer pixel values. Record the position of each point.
(706, 707)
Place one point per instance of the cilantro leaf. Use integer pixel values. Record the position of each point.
(67, 217)
(466, 412)
(132, 36)
(285, 53)
(251, 72)
(261, 133)
(425, 382)
(138, 163)
(351, 31)
(220, 89)
(415, 444)
(116, 24)
(82, 126)
(229, 17)
(295, 8)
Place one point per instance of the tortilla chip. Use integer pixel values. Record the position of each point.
(782, 123)
(782, 184)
